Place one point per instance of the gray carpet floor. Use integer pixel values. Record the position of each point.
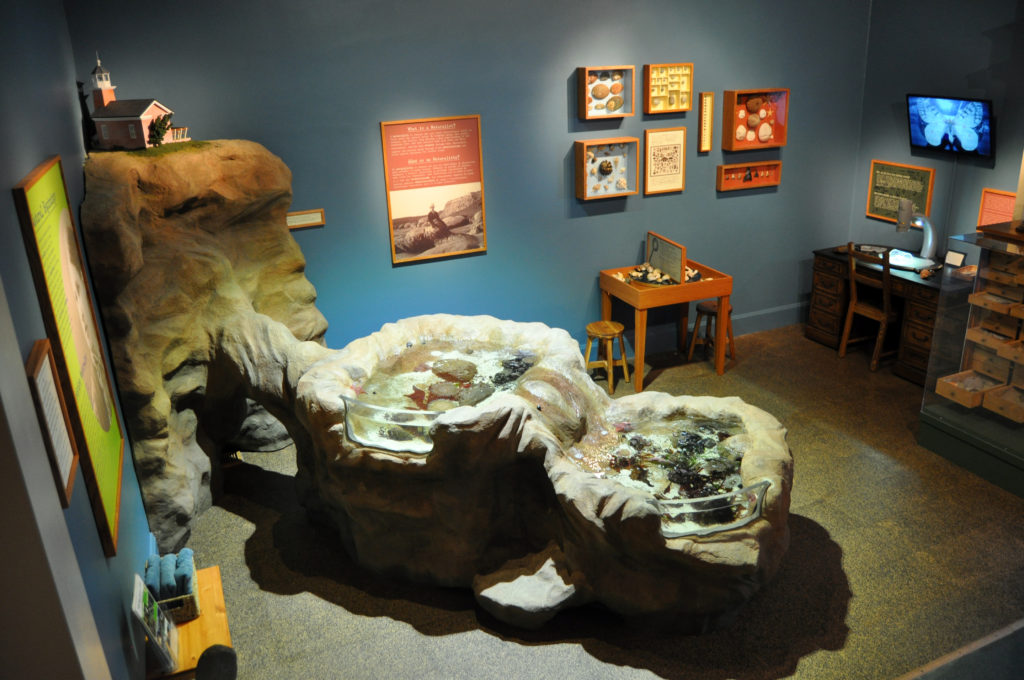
(898, 557)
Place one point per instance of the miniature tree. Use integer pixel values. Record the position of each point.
(158, 127)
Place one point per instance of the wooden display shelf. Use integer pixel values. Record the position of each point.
(1010, 291)
(211, 628)
(1014, 351)
(1007, 401)
(998, 275)
(987, 338)
(1001, 324)
(988, 362)
(995, 303)
(736, 176)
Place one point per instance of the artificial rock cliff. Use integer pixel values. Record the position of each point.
(204, 299)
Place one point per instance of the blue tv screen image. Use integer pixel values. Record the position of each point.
(949, 124)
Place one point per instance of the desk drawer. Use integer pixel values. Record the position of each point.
(825, 322)
(921, 314)
(921, 293)
(918, 337)
(914, 363)
(828, 283)
(826, 304)
(824, 264)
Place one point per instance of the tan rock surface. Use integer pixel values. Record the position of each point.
(185, 248)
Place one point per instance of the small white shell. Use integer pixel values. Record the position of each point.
(764, 133)
(751, 135)
(741, 132)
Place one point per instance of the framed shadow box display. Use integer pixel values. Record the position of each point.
(668, 88)
(738, 176)
(606, 91)
(606, 168)
(754, 119)
(664, 160)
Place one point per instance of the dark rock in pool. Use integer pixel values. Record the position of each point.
(513, 369)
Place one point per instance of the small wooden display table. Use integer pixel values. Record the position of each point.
(210, 628)
(641, 297)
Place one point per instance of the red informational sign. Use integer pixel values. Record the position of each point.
(996, 206)
(433, 169)
(432, 153)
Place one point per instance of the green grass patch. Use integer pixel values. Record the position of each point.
(164, 149)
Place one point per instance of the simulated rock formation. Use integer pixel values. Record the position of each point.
(531, 487)
(187, 249)
(513, 501)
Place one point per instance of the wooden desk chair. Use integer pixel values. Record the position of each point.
(605, 332)
(708, 309)
(870, 297)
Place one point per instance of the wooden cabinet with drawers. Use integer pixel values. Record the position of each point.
(830, 297)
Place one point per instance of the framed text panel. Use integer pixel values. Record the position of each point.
(889, 182)
(665, 162)
(433, 172)
(59, 273)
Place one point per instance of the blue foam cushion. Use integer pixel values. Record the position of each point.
(167, 586)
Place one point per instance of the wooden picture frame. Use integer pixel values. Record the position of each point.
(889, 182)
(668, 88)
(664, 160)
(740, 130)
(737, 176)
(62, 286)
(995, 206)
(707, 122)
(54, 418)
(433, 174)
(606, 92)
(606, 168)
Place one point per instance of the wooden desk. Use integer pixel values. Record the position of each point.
(211, 628)
(830, 297)
(641, 297)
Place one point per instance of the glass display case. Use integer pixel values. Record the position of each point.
(973, 406)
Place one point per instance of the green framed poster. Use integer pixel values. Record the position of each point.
(890, 182)
(59, 273)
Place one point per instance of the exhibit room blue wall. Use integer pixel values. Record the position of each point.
(39, 118)
(312, 82)
(941, 47)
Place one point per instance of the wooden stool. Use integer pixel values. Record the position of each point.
(607, 331)
(709, 309)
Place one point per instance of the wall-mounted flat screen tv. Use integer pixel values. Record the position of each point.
(950, 124)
